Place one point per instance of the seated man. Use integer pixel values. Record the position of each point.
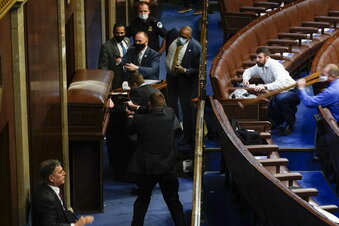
(48, 206)
(140, 58)
(329, 97)
(283, 106)
(154, 160)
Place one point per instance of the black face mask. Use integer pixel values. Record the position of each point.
(119, 38)
(139, 47)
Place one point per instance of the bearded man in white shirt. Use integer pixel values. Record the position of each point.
(283, 106)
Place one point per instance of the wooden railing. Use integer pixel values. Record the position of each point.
(6, 5)
(198, 156)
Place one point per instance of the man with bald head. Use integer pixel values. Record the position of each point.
(182, 65)
(329, 97)
(140, 58)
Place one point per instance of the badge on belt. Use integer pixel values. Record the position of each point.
(150, 28)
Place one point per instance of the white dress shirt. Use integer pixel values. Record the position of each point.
(272, 73)
(120, 48)
(171, 51)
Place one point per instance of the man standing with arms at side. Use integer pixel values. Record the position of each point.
(140, 58)
(283, 106)
(112, 49)
(329, 97)
(182, 65)
(154, 160)
(48, 207)
(148, 24)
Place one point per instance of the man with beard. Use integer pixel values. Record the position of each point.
(148, 24)
(283, 106)
(140, 58)
(113, 48)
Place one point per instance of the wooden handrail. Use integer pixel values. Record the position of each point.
(199, 135)
(5, 6)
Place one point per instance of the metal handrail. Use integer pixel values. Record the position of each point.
(198, 156)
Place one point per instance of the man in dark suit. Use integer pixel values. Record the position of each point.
(115, 47)
(48, 207)
(154, 159)
(140, 91)
(182, 64)
(140, 58)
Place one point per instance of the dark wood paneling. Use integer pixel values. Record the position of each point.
(70, 58)
(93, 31)
(43, 83)
(8, 175)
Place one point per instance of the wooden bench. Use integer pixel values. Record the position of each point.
(269, 197)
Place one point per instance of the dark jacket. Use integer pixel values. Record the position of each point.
(154, 153)
(47, 209)
(140, 95)
(108, 52)
(149, 66)
(191, 59)
(151, 26)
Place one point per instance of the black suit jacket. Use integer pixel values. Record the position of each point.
(47, 209)
(108, 52)
(140, 95)
(154, 153)
(149, 66)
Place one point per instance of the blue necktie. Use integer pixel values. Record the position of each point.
(123, 49)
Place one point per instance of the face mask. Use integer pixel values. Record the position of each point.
(323, 78)
(143, 16)
(119, 38)
(139, 47)
(182, 40)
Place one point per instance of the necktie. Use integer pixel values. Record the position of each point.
(139, 58)
(61, 196)
(123, 49)
(176, 56)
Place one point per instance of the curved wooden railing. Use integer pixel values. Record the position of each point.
(328, 54)
(275, 202)
(282, 31)
(199, 137)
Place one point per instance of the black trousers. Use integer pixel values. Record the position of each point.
(185, 88)
(169, 186)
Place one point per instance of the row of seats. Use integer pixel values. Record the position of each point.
(293, 33)
(236, 14)
(264, 181)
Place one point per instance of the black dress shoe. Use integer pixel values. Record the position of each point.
(287, 131)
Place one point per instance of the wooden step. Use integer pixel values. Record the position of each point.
(262, 148)
(265, 135)
(290, 177)
(305, 193)
(277, 162)
(330, 208)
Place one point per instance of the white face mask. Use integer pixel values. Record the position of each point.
(143, 16)
(182, 40)
(323, 78)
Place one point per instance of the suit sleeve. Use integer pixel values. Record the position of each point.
(135, 97)
(194, 66)
(103, 58)
(151, 71)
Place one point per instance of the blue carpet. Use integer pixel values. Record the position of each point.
(219, 206)
(118, 202)
(304, 130)
(316, 179)
(300, 160)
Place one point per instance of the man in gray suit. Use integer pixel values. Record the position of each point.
(114, 48)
